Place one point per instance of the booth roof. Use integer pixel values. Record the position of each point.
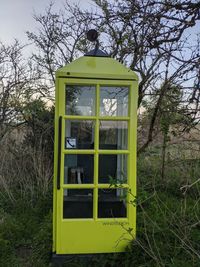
(96, 68)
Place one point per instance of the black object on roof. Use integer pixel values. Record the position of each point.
(92, 36)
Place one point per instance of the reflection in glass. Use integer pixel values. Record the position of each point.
(78, 169)
(112, 169)
(112, 203)
(80, 100)
(113, 135)
(78, 203)
(114, 101)
(79, 134)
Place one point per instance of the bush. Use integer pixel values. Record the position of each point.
(168, 212)
(42, 243)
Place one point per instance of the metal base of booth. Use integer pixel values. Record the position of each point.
(58, 260)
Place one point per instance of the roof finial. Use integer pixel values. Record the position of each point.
(92, 36)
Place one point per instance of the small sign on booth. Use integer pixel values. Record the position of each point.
(70, 142)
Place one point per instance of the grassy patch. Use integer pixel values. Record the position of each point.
(168, 222)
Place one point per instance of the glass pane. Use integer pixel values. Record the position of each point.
(113, 135)
(78, 203)
(80, 100)
(112, 169)
(79, 134)
(114, 101)
(78, 169)
(112, 203)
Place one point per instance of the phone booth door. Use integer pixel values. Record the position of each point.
(95, 164)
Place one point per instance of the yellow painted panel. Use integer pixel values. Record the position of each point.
(89, 236)
(96, 67)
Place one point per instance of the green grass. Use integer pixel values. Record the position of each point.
(168, 222)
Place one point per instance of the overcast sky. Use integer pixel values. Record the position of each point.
(16, 16)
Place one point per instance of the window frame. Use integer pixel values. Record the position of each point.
(96, 151)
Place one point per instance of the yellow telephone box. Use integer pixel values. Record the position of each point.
(95, 156)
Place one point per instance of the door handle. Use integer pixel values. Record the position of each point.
(59, 150)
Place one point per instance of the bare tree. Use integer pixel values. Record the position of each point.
(150, 37)
(153, 39)
(60, 39)
(13, 79)
(20, 82)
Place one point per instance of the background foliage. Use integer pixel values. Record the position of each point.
(160, 41)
